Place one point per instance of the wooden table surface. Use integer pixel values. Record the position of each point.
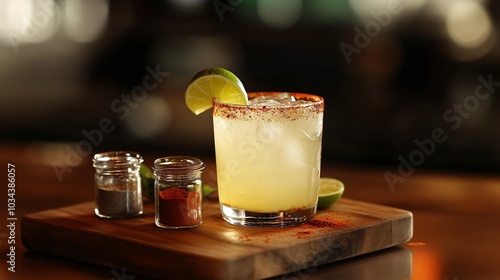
(456, 218)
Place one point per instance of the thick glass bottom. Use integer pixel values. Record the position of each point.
(117, 215)
(287, 218)
(164, 226)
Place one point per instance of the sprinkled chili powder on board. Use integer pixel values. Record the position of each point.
(321, 222)
(307, 229)
(325, 223)
(301, 234)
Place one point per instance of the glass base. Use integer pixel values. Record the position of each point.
(289, 218)
(117, 216)
(160, 225)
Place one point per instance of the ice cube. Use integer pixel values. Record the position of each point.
(314, 130)
(293, 154)
(273, 100)
(264, 102)
(268, 132)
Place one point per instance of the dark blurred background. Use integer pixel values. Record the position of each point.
(98, 74)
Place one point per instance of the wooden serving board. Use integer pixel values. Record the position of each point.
(216, 249)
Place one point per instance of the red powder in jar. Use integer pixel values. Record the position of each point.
(174, 193)
(178, 207)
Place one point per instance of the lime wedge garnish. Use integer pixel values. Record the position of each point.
(330, 190)
(214, 83)
(208, 190)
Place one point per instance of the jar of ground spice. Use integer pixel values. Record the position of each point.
(178, 192)
(117, 184)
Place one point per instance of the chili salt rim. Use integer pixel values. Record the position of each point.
(287, 112)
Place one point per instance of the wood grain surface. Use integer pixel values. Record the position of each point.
(216, 249)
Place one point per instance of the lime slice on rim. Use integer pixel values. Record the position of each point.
(211, 83)
(330, 190)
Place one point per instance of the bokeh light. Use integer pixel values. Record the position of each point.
(468, 24)
(85, 20)
(151, 118)
(28, 21)
(370, 10)
(470, 30)
(327, 11)
(279, 13)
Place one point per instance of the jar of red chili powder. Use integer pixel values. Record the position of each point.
(178, 192)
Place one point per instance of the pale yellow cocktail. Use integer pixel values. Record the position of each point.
(268, 160)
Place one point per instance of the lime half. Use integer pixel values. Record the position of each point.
(330, 190)
(214, 83)
(208, 190)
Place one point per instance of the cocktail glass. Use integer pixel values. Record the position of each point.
(268, 160)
